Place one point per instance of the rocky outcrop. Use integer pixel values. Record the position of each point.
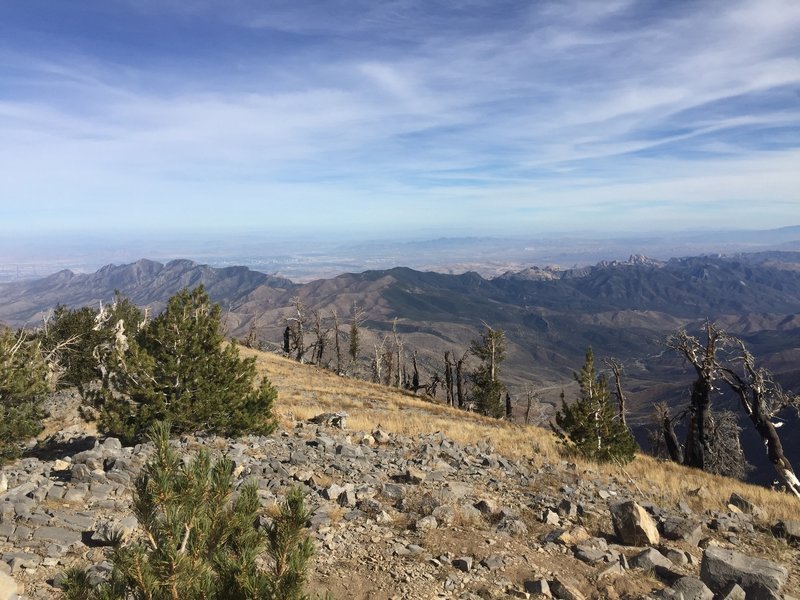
(394, 516)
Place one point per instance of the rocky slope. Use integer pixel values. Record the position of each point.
(417, 516)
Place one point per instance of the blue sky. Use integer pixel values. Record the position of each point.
(395, 117)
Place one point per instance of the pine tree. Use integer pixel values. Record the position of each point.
(24, 382)
(76, 336)
(178, 368)
(487, 391)
(591, 425)
(198, 543)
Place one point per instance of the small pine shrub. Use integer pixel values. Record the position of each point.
(24, 383)
(198, 544)
(591, 426)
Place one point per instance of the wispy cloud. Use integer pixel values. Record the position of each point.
(486, 113)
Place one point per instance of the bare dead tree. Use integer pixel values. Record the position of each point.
(287, 340)
(460, 380)
(321, 333)
(398, 348)
(356, 320)
(448, 378)
(251, 340)
(432, 386)
(337, 344)
(387, 358)
(762, 399)
(667, 428)
(703, 357)
(297, 325)
(415, 376)
(616, 369)
(530, 395)
(377, 362)
(726, 457)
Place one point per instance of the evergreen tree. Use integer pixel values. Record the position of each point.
(178, 368)
(198, 544)
(24, 377)
(591, 425)
(75, 337)
(487, 391)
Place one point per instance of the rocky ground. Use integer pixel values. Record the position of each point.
(413, 517)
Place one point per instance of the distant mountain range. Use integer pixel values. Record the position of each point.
(622, 309)
(550, 315)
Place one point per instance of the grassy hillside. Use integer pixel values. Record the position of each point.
(305, 391)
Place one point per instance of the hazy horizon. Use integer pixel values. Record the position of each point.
(302, 258)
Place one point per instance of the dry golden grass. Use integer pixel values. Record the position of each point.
(305, 391)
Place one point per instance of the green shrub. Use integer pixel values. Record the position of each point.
(591, 425)
(178, 368)
(197, 543)
(78, 336)
(24, 383)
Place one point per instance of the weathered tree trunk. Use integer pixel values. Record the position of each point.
(398, 347)
(616, 369)
(509, 408)
(671, 440)
(700, 445)
(287, 336)
(336, 341)
(415, 375)
(754, 391)
(460, 381)
(448, 378)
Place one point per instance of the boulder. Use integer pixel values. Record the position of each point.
(756, 576)
(686, 530)
(788, 530)
(691, 588)
(633, 525)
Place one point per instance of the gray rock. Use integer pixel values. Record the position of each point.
(414, 475)
(57, 534)
(337, 419)
(550, 517)
(538, 586)
(756, 576)
(347, 498)
(591, 555)
(486, 506)
(426, 524)
(493, 562)
(692, 589)
(463, 563)
(649, 559)
(633, 525)
(567, 509)
(653, 560)
(349, 451)
(789, 530)
(686, 530)
(744, 505)
(566, 590)
(733, 592)
(333, 492)
(512, 526)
